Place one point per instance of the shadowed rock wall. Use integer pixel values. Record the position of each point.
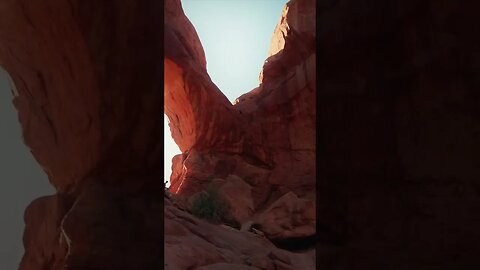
(89, 81)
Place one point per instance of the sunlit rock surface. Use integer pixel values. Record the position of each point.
(262, 147)
(89, 82)
(398, 136)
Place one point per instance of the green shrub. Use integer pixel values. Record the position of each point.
(211, 206)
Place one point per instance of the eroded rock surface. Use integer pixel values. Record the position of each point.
(88, 75)
(268, 148)
(191, 242)
(263, 160)
(89, 94)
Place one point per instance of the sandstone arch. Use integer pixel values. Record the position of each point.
(88, 75)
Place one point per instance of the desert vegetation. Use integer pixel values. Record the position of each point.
(210, 205)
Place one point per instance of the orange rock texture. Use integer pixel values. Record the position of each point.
(89, 86)
(259, 152)
(90, 106)
(266, 140)
(398, 132)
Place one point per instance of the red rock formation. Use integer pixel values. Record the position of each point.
(83, 86)
(191, 242)
(43, 237)
(269, 143)
(398, 121)
(201, 117)
(89, 86)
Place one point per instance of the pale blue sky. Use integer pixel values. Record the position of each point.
(235, 35)
(21, 179)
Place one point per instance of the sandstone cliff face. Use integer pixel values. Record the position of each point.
(89, 96)
(83, 86)
(88, 103)
(398, 126)
(266, 139)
